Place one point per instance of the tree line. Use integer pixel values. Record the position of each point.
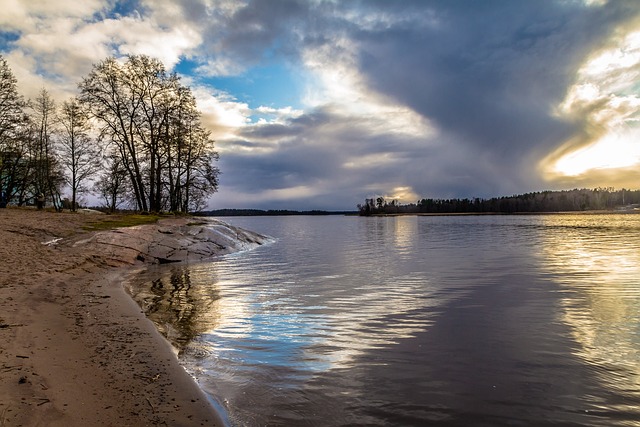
(132, 136)
(544, 201)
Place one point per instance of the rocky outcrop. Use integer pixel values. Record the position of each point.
(174, 240)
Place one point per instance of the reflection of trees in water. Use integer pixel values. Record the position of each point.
(181, 308)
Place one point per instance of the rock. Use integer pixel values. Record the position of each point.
(175, 240)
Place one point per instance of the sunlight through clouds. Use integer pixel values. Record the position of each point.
(338, 82)
(403, 195)
(142, 37)
(221, 112)
(612, 151)
(605, 96)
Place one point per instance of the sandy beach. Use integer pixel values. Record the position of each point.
(75, 349)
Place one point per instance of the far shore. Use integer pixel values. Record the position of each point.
(76, 349)
(594, 212)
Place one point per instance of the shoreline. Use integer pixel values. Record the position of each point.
(77, 350)
(594, 212)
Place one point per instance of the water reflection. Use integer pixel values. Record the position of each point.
(294, 326)
(597, 264)
(415, 321)
(181, 303)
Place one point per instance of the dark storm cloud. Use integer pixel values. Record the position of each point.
(255, 32)
(486, 74)
(490, 72)
(316, 150)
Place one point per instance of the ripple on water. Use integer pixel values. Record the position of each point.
(414, 320)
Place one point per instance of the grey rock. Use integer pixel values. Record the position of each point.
(175, 240)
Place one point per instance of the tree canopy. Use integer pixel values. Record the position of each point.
(134, 131)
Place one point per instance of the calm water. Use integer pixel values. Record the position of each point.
(413, 321)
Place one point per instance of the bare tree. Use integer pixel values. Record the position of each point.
(106, 94)
(48, 174)
(13, 150)
(11, 103)
(152, 123)
(112, 185)
(190, 156)
(79, 153)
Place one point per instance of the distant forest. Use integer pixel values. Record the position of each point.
(544, 201)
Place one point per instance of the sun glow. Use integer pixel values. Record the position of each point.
(605, 101)
(611, 152)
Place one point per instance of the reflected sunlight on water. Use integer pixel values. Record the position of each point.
(597, 264)
(410, 321)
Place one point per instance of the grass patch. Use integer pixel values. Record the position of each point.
(109, 222)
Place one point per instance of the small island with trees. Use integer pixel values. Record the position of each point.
(577, 200)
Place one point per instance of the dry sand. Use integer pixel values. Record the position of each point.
(75, 350)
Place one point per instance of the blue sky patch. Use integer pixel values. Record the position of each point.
(7, 38)
(274, 85)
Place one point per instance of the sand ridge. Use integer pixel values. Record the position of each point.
(75, 349)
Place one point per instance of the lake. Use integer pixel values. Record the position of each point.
(413, 321)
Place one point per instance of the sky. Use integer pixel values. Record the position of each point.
(319, 104)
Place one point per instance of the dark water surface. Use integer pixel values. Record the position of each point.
(413, 321)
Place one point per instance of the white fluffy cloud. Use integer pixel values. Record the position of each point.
(57, 42)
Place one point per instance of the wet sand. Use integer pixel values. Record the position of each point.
(75, 350)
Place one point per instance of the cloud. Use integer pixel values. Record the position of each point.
(49, 49)
(428, 95)
(492, 88)
(57, 42)
(406, 99)
(423, 96)
(141, 37)
(221, 112)
(342, 157)
(604, 103)
(31, 16)
(237, 34)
